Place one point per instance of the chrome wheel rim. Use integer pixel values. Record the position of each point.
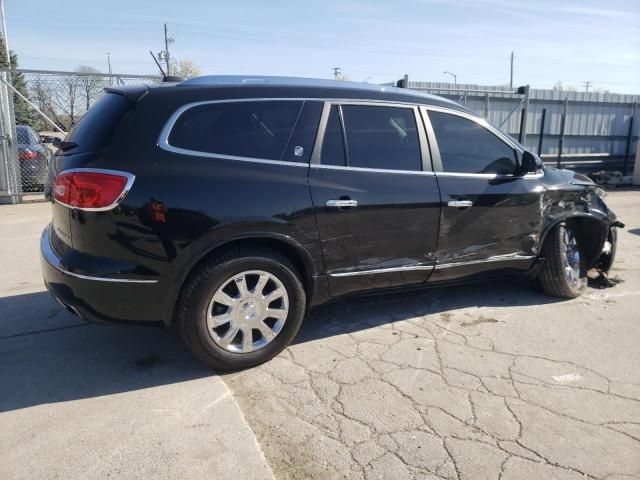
(247, 311)
(570, 257)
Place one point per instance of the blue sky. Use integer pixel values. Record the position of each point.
(553, 41)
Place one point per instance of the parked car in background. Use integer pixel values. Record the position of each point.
(33, 157)
(232, 205)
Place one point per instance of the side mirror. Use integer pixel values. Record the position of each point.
(529, 163)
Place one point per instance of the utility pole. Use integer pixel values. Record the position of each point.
(109, 63)
(587, 84)
(511, 70)
(167, 56)
(336, 72)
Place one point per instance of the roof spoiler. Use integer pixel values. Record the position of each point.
(132, 92)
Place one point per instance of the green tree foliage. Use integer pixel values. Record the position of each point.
(24, 113)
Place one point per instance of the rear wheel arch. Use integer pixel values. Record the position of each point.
(287, 247)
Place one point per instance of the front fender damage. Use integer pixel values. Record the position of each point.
(583, 207)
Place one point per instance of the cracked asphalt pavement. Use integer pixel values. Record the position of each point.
(490, 381)
(485, 381)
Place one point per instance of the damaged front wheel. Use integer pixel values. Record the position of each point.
(564, 272)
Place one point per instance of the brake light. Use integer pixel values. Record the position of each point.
(91, 189)
(27, 155)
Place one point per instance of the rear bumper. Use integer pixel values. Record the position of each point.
(101, 299)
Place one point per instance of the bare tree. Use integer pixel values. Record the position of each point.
(41, 93)
(187, 69)
(91, 84)
(65, 96)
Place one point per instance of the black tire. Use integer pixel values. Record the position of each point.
(553, 278)
(205, 281)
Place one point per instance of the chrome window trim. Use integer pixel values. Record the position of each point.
(218, 156)
(48, 254)
(528, 176)
(130, 179)
(380, 170)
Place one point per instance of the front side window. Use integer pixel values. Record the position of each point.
(381, 137)
(252, 129)
(467, 147)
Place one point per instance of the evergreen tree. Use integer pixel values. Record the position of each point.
(23, 112)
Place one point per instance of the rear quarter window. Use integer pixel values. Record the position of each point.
(95, 130)
(251, 129)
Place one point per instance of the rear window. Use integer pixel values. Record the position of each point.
(26, 135)
(252, 129)
(96, 128)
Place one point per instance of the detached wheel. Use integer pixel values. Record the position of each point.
(241, 309)
(564, 272)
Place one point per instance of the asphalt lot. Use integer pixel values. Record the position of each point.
(486, 381)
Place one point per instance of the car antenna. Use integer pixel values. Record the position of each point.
(164, 75)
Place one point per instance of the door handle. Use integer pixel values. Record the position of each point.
(342, 203)
(460, 203)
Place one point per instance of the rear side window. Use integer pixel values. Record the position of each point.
(381, 137)
(467, 147)
(252, 129)
(96, 128)
(27, 135)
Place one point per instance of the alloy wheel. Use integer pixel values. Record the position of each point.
(247, 311)
(570, 257)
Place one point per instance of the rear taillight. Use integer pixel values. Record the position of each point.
(27, 155)
(91, 189)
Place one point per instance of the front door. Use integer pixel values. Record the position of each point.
(491, 217)
(377, 203)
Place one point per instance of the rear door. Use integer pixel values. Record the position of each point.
(375, 197)
(491, 216)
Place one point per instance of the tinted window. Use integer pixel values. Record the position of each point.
(381, 137)
(466, 147)
(97, 126)
(301, 142)
(333, 142)
(26, 135)
(244, 129)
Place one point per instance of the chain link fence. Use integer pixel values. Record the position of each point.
(568, 129)
(585, 131)
(37, 109)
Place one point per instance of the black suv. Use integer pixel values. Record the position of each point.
(232, 205)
